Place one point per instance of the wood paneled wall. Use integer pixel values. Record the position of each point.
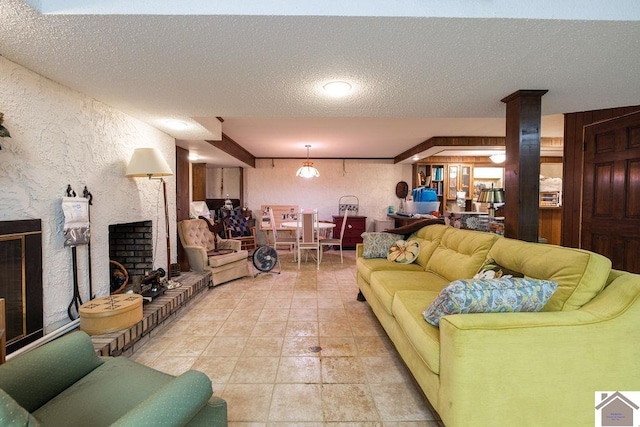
(572, 167)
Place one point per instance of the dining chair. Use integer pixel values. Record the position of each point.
(308, 234)
(281, 241)
(336, 241)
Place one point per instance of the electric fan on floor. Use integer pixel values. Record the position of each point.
(264, 259)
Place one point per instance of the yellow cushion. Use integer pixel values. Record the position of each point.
(460, 253)
(385, 284)
(580, 274)
(407, 310)
(429, 238)
(366, 266)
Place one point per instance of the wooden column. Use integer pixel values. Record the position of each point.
(522, 167)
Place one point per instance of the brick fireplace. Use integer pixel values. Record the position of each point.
(21, 281)
(131, 245)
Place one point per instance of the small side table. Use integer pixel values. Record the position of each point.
(110, 314)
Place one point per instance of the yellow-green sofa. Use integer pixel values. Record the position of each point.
(510, 369)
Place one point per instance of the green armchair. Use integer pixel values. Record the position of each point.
(64, 383)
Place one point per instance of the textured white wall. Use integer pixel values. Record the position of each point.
(62, 137)
(373, 182)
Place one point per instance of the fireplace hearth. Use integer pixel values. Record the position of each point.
(21, 281)
(131, 245)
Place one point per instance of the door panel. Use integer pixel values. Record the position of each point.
(611, 191)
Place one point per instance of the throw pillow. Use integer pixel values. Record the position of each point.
(377, 244)
(492, 270)
(404, 251)
(489, 296)
(12, 414)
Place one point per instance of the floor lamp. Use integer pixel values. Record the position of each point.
(149, 162)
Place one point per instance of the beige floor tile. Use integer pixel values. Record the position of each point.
(269, 328)
(299, 370)
(225, 346)
(187, 345)
(338, 346)
(274, 315)
(292, 349)
(238, 328)
(258, 370)
(373, 345)
(296, 402)
(384, 370)
(400, 402)
(262, 346)
(278, 303)
(173, 365)
(348, 402)
(342, 370)
(335, 328)
(302, 328)
(300, 346)
(248, 402)
(218, 369)
(303, 313)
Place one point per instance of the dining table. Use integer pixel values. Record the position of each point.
(322, 225)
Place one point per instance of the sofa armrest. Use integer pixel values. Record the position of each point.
(547, 365)
(359, 249)
(34, 378)
(175, 404)
(197, 256)
(236, 245)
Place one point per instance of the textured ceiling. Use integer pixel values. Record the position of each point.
(413, 77)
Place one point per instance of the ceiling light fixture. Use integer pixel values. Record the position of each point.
(337, 88)
(307, 170)
(498, 158)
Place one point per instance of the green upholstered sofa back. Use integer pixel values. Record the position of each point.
(67, 359)
(580, 274)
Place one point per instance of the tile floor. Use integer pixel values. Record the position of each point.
(293, 349)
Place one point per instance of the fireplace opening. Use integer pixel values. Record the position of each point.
(21, 281)
(131, 248)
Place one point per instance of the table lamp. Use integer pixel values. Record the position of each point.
(491, 196)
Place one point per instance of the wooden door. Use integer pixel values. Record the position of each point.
(611, 191)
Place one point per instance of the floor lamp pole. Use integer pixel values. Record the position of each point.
(166, 222)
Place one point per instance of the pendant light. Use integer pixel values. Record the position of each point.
(307, 170)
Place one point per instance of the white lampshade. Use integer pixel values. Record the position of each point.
(148, 162)
(308, 171)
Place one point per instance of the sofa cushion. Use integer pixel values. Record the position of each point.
(104, 395)
(460, 253)
(490, 296)
(385, 284)
(404, 251)
(14, 415)
(377, 244)
(22, 378)
(492, 270)
(220, 260)
(407, 310)
(580, 274)
(429, 238)
(366, 266)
